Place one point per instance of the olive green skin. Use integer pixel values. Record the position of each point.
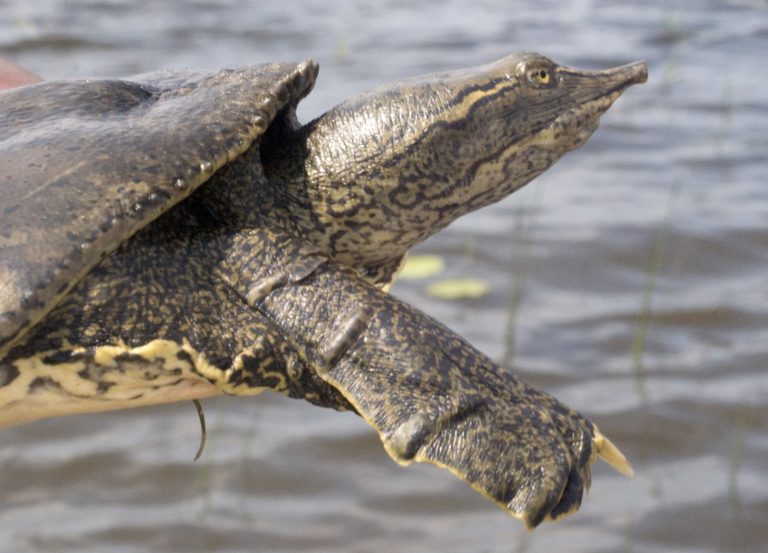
(118, 266)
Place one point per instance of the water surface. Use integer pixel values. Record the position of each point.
(630, 281)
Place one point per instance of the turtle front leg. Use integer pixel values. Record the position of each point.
(270, 361)
(430, 395)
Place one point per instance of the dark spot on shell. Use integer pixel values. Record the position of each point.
(260, 121)
(59, 357)
(10, 209)
(45, 279)
(159, 196)
(8, 373)
(131, 358)
(43, 382)
(182, 355)
(26, 300)
(103, 386)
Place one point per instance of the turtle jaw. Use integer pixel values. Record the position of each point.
(574, 127)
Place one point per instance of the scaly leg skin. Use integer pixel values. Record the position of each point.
(430, 395)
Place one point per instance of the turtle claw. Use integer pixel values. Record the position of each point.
(608, 452)
(585, 443)
(570, 478)
(554, 506)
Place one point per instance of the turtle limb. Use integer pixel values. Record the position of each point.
(430, 395)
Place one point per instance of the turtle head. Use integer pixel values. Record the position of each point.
(523, 112)
(527, 110)
(388, 168)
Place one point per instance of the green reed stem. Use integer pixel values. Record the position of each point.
(645, 317)
(518, 270)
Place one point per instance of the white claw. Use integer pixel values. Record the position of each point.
(609, 453)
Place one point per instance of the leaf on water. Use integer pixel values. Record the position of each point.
(458, 289)
(421, 266)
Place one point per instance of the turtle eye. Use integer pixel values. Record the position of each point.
(540, 76)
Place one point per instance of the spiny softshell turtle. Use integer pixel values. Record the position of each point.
(124, 282)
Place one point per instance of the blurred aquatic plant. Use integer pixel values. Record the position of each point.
(668, 39)
(425, 266)
(26, 25)
(645, 316)
(744, 418)
(524, 543)
(422, 266)
(204, 481)
(518, 269)
(626, 546)
(737, 451)
(458, 288)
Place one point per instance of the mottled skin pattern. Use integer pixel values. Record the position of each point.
(271, 275)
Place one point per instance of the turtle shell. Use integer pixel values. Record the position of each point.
(85, 164)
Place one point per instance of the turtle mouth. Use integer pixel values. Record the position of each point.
(571, 129)
(580, 123)
(574, 127)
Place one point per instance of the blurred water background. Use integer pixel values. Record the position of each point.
(631, 281)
